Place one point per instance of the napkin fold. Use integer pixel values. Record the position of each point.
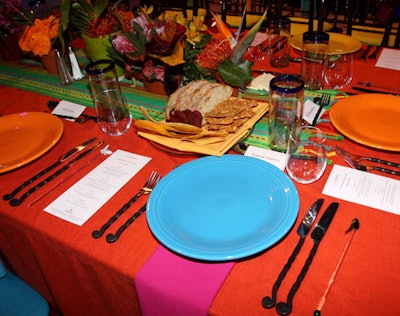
(168, 284)
(213, 146)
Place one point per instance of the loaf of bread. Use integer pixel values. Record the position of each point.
(188, 104)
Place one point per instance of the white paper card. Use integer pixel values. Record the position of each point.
(310, 109)
(67, 108)
(84, 198)
(273, 157)
(389, 58)
(364, 188)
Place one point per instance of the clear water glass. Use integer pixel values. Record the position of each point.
(306, 154)
(338, 71)
(112, 110)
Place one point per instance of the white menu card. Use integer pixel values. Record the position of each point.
(389, 58)
(85, 197)
(364, 188)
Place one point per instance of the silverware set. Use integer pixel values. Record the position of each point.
(285, 308)
(87, 145)
(365, 53)
(147, 188)
(357, 162)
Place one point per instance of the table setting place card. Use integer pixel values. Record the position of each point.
(275, 158)
(66, 108)
(364, 188)
(389, 59)
(84, 198)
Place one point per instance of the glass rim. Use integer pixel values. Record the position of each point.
(281, 78)
(92, 70)
(315, 36)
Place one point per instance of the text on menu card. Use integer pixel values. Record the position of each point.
(364, 188)
(85, 197)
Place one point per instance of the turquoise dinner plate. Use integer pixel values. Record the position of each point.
(222, 208)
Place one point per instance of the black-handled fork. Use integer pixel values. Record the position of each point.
(146, 189)
(110, 238)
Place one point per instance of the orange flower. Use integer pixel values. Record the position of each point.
(37, 37)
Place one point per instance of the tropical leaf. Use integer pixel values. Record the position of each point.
(243, 44)
(236, 75)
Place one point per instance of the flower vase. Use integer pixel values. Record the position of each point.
(151, 86)
(154, 86)
(49, 62)
(97, 49)
(9, 48)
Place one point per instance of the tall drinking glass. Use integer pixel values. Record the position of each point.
(112, 110)
(315, 52)
(286, 94)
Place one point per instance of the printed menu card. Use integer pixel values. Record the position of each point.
(364, 188)
(85, 197)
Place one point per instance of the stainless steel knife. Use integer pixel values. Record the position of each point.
(69, 154)
(285, 308)
(302, 231)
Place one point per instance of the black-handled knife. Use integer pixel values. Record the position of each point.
(18, 201)
(114, 237)
(69, 154)
(317, 234)
(302, 231)
(365, 90)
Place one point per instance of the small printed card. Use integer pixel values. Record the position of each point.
(310, 109)
(273, 157)
(67, 108)
(364, 188)
(85, 197)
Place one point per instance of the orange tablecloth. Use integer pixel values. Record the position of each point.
(79, 275)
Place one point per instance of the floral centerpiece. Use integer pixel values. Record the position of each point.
(94, 21)
(157, 46)
(40, 37)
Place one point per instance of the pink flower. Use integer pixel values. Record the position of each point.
(153, 72)
(159, 72)
(122, 44)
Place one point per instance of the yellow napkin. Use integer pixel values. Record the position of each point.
(213, 146)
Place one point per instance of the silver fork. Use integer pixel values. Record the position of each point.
(146, 189)
(325, 99)
(358, 158)
(354, 164)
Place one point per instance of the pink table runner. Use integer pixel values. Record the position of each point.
(169, 284)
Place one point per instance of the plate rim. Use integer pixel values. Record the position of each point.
(186, 250)
(338, 108)
(57, 123)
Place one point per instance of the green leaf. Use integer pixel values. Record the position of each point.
(243, 44)
(235, 75)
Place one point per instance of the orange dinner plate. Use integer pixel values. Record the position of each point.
(26, 136)
(369, 119)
